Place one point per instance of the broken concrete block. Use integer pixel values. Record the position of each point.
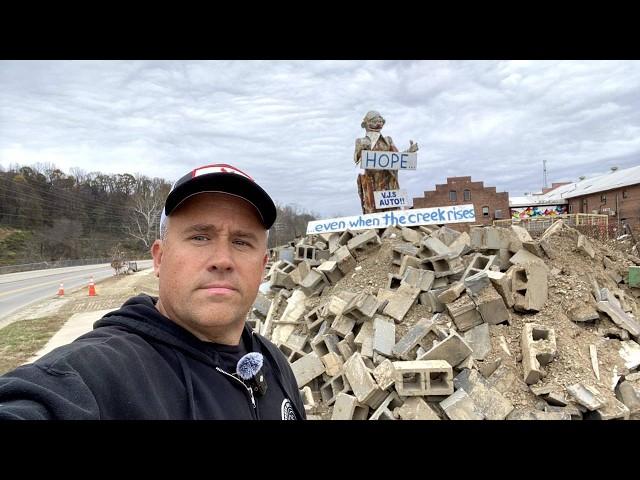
(402, 250)
(362, 306)
(452, 293)
(409, 261)
(332, 387)
(489, 402)
(301, 271)
(521, 233)
(280, 275)
(538, 345)
(430, 300)
(459, 406)
(386, 408)
(322, 344)
(393, 281)
(307, 368)
(491, 306)
(549, 251)
(364, 241)
(479, 263)
(329, 269)
(412, 338)
(333, 364)
(524, 258)
(479, 341)
(531, 414)
(464, 313)
(262, 304)
(587, 396)
(461, 245)
(571, 410)
(391, 232)
(476, 282)
(385, 374)
(582, 312)
(529, 287)
(452, 349)
(345, 349)
(364, 339)
(342, 256)
(304, 252)
(494, 238)
(630, 353)
(347, 407)
(613, 410)
(423, 377)
(384, 335)
(584, 245)
(313, 283)
(342, 325)
(418, 278)
(399, 302)
(415, 408)
(410, 235)
(553, 229)
(629, 393)
(432, 247)
(619, 317)
(446, 235)
(360, 379)
(443, 265)
(502, 283)
(503, 378)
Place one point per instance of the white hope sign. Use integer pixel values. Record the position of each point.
(398, 218)
(391, 198)
(374, 160)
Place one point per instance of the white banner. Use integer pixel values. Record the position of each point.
(399, 218)
(391, 198)
(371, 160)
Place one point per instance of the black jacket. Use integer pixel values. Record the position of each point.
(137, 364)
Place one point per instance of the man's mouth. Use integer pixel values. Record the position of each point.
(219, 288)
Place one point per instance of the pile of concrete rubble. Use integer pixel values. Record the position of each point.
(430, 323)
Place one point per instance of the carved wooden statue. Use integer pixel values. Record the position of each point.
(376, 180)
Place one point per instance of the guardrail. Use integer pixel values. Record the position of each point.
(55, 264)
(593, 225)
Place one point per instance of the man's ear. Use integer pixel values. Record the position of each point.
(265, 260)
(156, 253)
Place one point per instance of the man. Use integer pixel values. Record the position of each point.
(187, 354)
(375, 180)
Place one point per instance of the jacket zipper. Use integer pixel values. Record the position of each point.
(253, 401)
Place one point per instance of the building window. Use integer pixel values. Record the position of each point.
(603, 198)
(485, 211)
(467, 195)
(571, 208)
(625, 194)
(453, 196)
(497, 214)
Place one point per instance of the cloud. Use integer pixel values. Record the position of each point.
(292, 124)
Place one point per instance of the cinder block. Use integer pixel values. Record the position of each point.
(261, 304)
(479, 341)
(364, 241)
(399, 302)
(412, 338)
(385, 410)
(385, 374)
(477, 282)
(490, 238)
(613, 410)
(342, 256)
(464, 313)
(304, 252)
(364, 339)
(529, 288)
(423, 377)
(538, 345)
(524, 258)
(443, 265)
(393, 281)
(342, 325)
(345, 349)
(452, 293)
(491, 306)
(459, 406)
(344, 238)
(404, 249)
(307, 368)
(324, 344)
(452, 349)
(489, 402)
(301, 271)
(418, 278)
(446, 235)
(409, 261)
(280, 275)
(503, 378)
(359, 377)
(432, 247)
(362, 306)
(410, 235)
(415, 408)
(461, 245)
(332, 387)
(479, 263)
(584, 245)
(430, 300)
(619, 317)
(333, 364)
(330, 270)
(502, 283)
(587, 396)
(313, 283)
(384, 335)
(347, 407)
(548, 249)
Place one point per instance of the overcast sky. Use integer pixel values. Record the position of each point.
(292, 125)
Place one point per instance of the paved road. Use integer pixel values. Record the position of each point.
(18, 290)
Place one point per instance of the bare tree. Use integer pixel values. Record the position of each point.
(145, 209)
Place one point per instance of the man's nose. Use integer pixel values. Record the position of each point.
(221, 257)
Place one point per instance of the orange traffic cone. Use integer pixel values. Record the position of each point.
(92, 288)
(61, 290)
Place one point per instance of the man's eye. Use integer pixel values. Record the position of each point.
(199, 238)
(241, 243)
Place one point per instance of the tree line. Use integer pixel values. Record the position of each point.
(47, 214)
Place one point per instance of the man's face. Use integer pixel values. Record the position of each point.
(210, 265)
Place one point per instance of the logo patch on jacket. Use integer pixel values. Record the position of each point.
(287, 410)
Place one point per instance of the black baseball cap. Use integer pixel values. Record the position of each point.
(222, 178)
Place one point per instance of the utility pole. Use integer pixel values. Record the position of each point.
(544, 174)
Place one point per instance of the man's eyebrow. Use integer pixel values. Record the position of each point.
(208, 227)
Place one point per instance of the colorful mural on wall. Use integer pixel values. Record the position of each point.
(537, 212)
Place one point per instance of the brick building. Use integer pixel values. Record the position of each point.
(616, 193)
(488, 204)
